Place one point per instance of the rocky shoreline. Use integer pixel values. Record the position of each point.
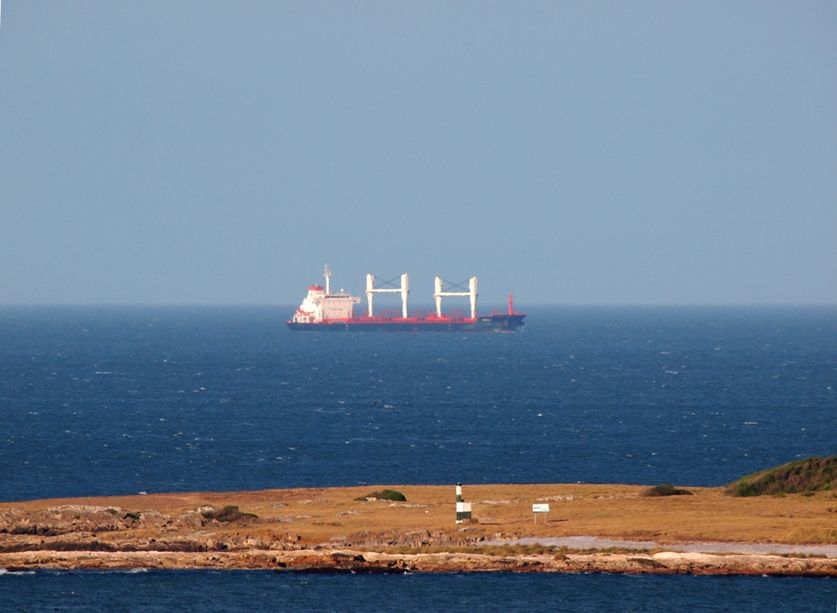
(669, 563)
(335, 530)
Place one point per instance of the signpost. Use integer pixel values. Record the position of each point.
(540, 507)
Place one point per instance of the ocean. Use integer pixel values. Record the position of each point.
(270, 591)
(120, 400)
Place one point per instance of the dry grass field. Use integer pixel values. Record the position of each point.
(331, 515)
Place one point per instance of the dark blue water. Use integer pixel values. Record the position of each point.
(121, 400)
(266, 591)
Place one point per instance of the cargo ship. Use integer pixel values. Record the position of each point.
(322, 310)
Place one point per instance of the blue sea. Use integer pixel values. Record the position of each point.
(113, 400)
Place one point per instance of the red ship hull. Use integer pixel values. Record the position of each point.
(488, 323)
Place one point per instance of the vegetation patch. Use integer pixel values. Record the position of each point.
(666, 489)
(810, 475)
(229, 513)
(59, 546)
(384, 495)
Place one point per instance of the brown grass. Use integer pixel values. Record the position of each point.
(324, 515)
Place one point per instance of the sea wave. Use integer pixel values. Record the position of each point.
(5, 571)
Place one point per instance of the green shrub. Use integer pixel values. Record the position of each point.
(813, 474)
(385, 495)
(666, 489)
(228, 514)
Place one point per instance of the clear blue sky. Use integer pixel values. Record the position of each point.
(574, 152)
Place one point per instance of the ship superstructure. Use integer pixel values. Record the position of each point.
(323, 310)
(320, 305)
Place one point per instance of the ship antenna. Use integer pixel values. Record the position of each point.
(327, 275)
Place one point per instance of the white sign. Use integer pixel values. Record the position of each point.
(540, 507)
(463, 507)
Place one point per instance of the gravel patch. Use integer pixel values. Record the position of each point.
(596, 542)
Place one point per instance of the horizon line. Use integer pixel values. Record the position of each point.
(426, 306)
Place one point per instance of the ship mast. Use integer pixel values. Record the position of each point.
(327, 276)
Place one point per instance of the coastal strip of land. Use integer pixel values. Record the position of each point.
(589, 528)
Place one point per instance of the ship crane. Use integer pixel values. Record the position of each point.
(403, 289)
(438, 294)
